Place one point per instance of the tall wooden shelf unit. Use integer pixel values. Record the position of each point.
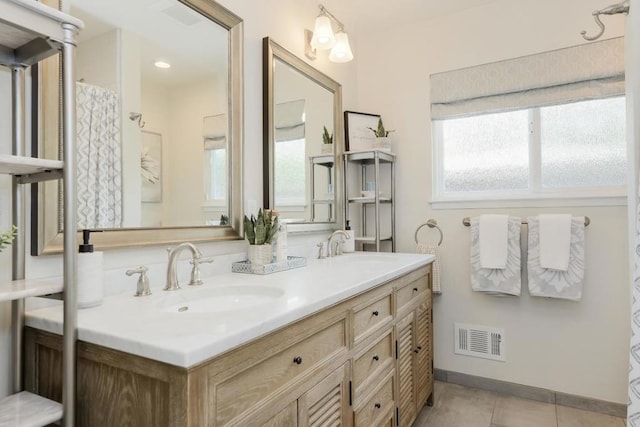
(373, 159)
(29, 33)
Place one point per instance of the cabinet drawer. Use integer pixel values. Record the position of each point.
(377, 406)
(372, 362)
(409, 293)
(371, 316)
(239, 393)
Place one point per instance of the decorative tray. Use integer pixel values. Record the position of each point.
(247, 267)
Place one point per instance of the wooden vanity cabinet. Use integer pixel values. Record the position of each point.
(414, 348)
(366, 361)
(325, 404)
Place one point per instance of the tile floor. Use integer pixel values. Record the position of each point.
(458, 406)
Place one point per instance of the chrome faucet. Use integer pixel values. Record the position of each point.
(172, 269)
(330, 252)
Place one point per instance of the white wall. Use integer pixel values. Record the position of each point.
(184, 180)
(97, 61)
(155, 106)
(579, 348)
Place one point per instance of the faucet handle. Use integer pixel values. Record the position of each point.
(202, 260)
(320, 246)
(196, 280)
(142, 288)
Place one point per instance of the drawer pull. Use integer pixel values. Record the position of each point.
(378, 406)
(375, 313)
(297, 360)
(417, 350)
(375, 357)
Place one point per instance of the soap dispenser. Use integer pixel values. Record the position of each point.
(90, 287)
(349, 244)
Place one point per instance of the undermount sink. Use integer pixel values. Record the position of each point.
(220, 299)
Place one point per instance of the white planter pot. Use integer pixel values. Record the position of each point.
(260, 254)
(382, 143)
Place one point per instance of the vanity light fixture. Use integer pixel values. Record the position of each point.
(341, 51)
(162, 64)
(324, 38)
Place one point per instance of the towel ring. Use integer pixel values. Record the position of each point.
(431, 223)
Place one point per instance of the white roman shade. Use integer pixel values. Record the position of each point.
(289, 120)
(214, 131)
(587, 71)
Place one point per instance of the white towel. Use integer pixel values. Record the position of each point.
(544, 282)
(497, 281)
(432, 249)
(555, 241)
(493, 241)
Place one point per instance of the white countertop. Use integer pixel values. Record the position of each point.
(242, 307)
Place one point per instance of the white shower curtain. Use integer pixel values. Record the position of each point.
(98, 156)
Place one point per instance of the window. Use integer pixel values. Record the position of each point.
(290, 173)
(577, 148)
(216, 175)
(544, 126)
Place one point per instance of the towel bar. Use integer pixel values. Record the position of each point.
(466, 221)
(431, 223)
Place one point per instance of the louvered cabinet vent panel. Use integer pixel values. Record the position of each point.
(407, 399)
(480, 341)
(328, 410)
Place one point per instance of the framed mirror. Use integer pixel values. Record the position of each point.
(159, 125)
(303, 140)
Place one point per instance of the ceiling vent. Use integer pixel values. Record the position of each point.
(480, 341)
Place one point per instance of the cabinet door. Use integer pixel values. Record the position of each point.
(423, 352)
(405, 345)
(327, 403)
(288, 417)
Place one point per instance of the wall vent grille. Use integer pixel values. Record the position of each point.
(480, 341)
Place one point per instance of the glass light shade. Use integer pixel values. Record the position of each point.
(323, 37)
(341, 51)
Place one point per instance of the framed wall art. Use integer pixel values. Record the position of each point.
(358, 136)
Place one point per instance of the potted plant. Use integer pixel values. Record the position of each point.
(259, 232)
(327, 142)
(7, 238)
(382, 142)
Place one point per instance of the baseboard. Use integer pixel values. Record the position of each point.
(532, 393)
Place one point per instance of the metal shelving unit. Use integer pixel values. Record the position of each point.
(325, 161)
(371, 159)
(29, 33)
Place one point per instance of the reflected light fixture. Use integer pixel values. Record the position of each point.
(162, 64)
(324, 38)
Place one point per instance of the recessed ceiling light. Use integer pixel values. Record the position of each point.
(162, 64)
